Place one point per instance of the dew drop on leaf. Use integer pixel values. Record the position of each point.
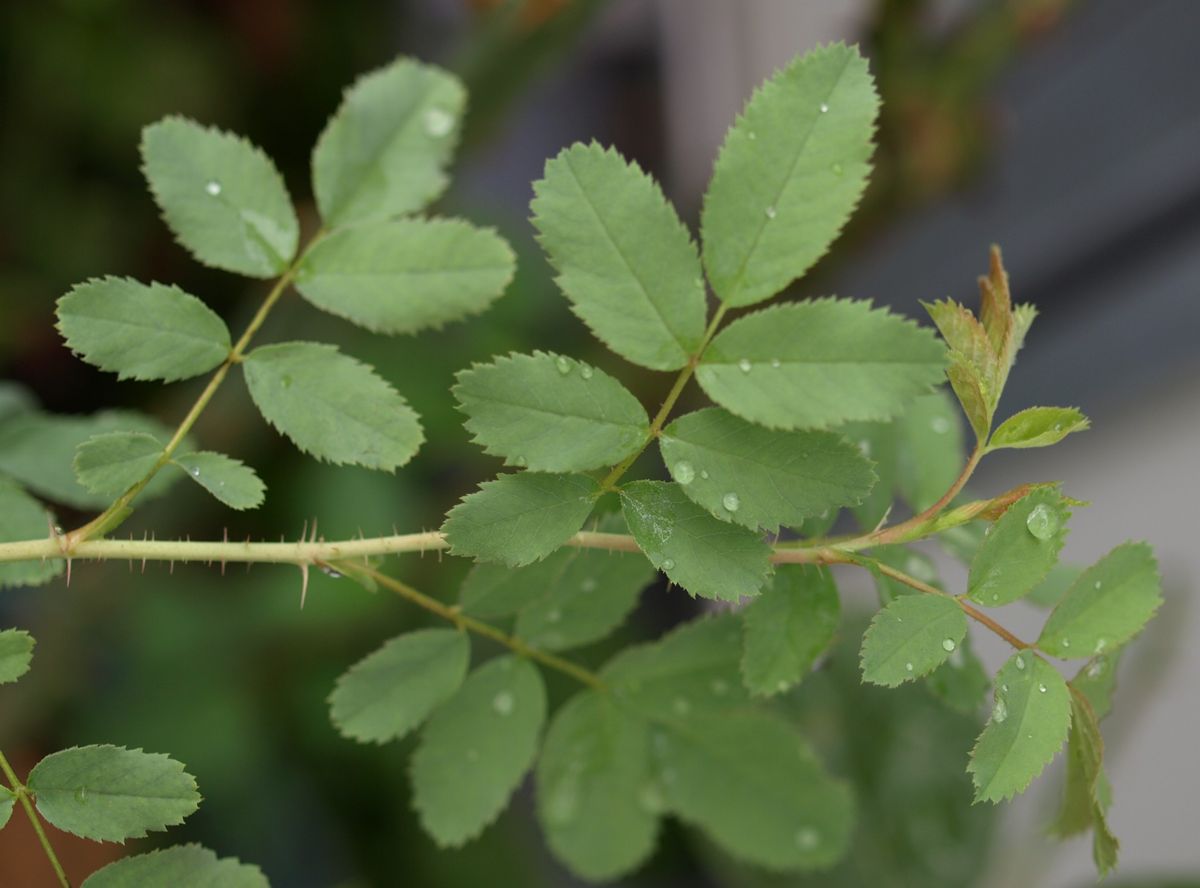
(1000, 712)
(908, 666)
(1041, 689)
(807, 839)
(744, 365)
(1020, 663)
(81, 795)
(438, 123)
(503, 703)
(1096, 669)
(948, 644)
(1042, 522)
(837, 169)
(776, 363)
(703, 474)
(731, 502)
(564, 366)
(668, 564)
(684, 472)
(770, 211)
(585, 372)
(588, 585)
(824, 108)
(213, 188)
(1066, 642)
(940, 425)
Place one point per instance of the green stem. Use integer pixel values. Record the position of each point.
(462, 621)
(668, 404)
(917, 523)
(115, 513)
(22, 793)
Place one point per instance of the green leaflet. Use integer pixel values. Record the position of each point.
(751, 782)
(706, 556)
(787, 627)
(110, 794)
(24, 518)
(221, 196)
(520, 518)
(405, 275)
(38, 450)
(694, 667)
(385, 151)
(1028, 725)
(111, 463)
(596, 799)
(142, 331)
(792, 168)
(1083, 804)
(390, 692)
(1109, 604)
(183, 866)
(7, 800)
(493, 590)
(760, 477)
(624, 260)
(1097, 681)
(476, 748)
(930, 452)
(911, 637)
(231, 481)
(550, 413)
(1020, 549)
(331, 406)
(1038, 427)
(16, 653)
(819, 363)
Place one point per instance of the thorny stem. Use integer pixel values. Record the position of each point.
(111, 516)
(22, 793)
(668, 404)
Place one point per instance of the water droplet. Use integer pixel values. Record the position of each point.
(650, 799)
(770, 211)
(585, 371)
(212, 188)
(865, 446)
(1041, 688)
(668, 564)
(720, 687)
(908, 666)
(521, 461)
(1101, 644)
(681, 706)
(503, 703)
(995, 596)
(1066, 642)
(1096, 669)
(588, 585)
(1000, 711)
(438, 123)
(703, 474)
(285, 381)
(940, 425)
(824, 108)
(563, 365)
(776, 363)
(1004, 688)
(195, 472)
(58, 529)
(330, 572)
(807, 838)
(553, 615)
(751, 136)
(731, 502)
(1042, 522)
(744, 365)
(837, 169)
(81, 795)
(781, 686)
(684, 472)
(948, 644)
(1097, 584)
(1020, 663)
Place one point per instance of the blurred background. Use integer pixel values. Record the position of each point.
(1068, 131)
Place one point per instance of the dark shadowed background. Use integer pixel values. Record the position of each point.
(1068, 132)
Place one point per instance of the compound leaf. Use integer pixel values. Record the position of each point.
(182, 866)
(787, 627)
(761, 477)
(405, 275)
(596, 799)
(231, 481)
(1106, 606)
(391, 691)
(475, 749)
(520, 518)
(1038, 427)
(911, 637)
(792, 169)
(1028, 725)
(113, 462)
(385, 151)
(16, 653)
(221, 196)
(331, 406)
(820, 363)
(110, 794)
(624, 260)
(550, 413)
(1020, 549)
(705, 555)
(142, 331)
(24, 518)
(751, 782)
